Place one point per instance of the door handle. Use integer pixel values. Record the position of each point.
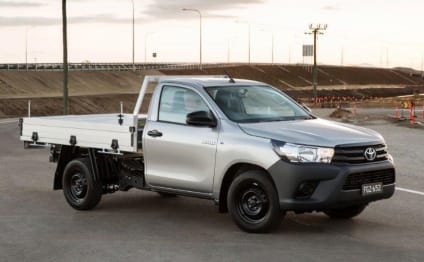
(154, 133)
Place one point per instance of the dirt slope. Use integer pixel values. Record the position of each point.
(102, 91)
(14, 84)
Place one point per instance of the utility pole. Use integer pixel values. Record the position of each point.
(315, 30)
(65, 59)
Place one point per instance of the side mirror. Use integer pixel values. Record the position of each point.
(201, 118)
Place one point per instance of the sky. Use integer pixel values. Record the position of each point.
(382, 33)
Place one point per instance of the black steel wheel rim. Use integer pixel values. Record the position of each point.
(78, 186)
(252, 203)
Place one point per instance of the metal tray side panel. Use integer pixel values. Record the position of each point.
(92, 135)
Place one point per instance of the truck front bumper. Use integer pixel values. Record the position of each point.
(329, 185)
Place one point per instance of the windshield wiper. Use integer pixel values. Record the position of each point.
(275, 119)
(303, 117)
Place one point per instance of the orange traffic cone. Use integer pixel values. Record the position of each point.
(396, 111)
(412, 115)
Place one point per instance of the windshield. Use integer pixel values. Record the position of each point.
(248, 104)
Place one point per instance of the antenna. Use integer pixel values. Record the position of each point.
(230, 77)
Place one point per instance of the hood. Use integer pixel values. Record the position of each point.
(317, 132)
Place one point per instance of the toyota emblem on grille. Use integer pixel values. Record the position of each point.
(370, 154)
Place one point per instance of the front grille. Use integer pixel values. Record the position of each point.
(356, 180)
(355, 154)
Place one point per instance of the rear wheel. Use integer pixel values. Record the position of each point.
(79, 187)
(345, 212)
(253, 202)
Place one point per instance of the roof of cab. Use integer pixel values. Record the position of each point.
(209, 82)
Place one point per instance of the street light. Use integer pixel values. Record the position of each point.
(26, 46)
(272, 44)
(200, 17)
(228, 50)
(133, 38)
(272, 48)
(146, 36)
(248, 38)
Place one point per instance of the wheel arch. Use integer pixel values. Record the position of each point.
(228, 178)
(67, 154)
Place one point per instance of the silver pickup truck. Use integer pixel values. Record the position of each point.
(243, 144)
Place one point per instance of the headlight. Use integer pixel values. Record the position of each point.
(303, 154)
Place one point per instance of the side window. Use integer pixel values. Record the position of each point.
(177, 102)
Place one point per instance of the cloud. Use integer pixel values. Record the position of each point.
(330, 8)
(28, 21)
(163, 10)
(101, 18)
(19, 4)
(48, 21)
(171, 9)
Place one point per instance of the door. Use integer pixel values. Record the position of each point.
(177, 155)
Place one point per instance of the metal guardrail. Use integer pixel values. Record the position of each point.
(110, 66)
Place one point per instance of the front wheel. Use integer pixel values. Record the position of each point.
(79, 187)
(253, 202)
(345, 212)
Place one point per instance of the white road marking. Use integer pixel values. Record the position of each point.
(410, 191)
(8, 121)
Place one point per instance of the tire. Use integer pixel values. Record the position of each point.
(80, 190)
(166, 195)
(345, 212)
(253, 202)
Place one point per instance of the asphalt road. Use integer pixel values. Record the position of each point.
(36, 224)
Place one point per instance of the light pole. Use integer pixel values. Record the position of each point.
(200, 29)
(272, 48)
(249, 27)
(228, 50)
(289, 54)
(249, 39)
(133, 34)
(272, 44)
(26, 47)
(146, 36)
(315, 30)
(65, 59)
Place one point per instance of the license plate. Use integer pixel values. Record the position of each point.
(370, 189)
